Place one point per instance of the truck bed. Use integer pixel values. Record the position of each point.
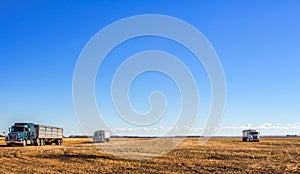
(49, 132)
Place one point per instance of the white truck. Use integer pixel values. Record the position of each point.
(101, 136)
(250, 135)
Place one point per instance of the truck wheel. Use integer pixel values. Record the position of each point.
(24, 143)
(41, 142)
(38, 143)
(8, 144)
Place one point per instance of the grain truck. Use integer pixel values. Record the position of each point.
(250, 135)
(101, 136)
(33, 134)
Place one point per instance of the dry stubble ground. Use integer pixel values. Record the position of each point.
(226, 155)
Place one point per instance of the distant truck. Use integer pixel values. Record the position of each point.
(101, 136)
(33, 134)
(250, 135)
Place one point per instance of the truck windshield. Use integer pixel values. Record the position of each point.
(17, 129)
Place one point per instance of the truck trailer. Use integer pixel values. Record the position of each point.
(101, 136)
(33, 134)
(250, 135)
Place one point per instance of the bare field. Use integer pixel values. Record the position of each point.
(218, 155)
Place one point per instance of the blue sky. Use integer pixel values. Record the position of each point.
(257, 44)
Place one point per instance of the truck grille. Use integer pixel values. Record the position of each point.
(12, 137)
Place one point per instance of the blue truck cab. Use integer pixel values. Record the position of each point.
(21, 133)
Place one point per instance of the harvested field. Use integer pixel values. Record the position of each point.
(219, 155)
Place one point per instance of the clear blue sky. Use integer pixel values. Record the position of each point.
(258, 43)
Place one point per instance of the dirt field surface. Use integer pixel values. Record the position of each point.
(218, 155)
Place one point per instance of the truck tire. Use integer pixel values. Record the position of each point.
(42, 142)
(37, 143)
(24, 143)
(58, 142)
(8, 144)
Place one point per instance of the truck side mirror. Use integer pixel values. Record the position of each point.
(9, 129)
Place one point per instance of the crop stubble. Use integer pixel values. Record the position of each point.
(219, 155)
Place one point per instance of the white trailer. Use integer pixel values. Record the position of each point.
(250, 135)
(101, 136)
(49, 135)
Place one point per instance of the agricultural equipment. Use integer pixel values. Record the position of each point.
(101, 136)
(250, 135)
